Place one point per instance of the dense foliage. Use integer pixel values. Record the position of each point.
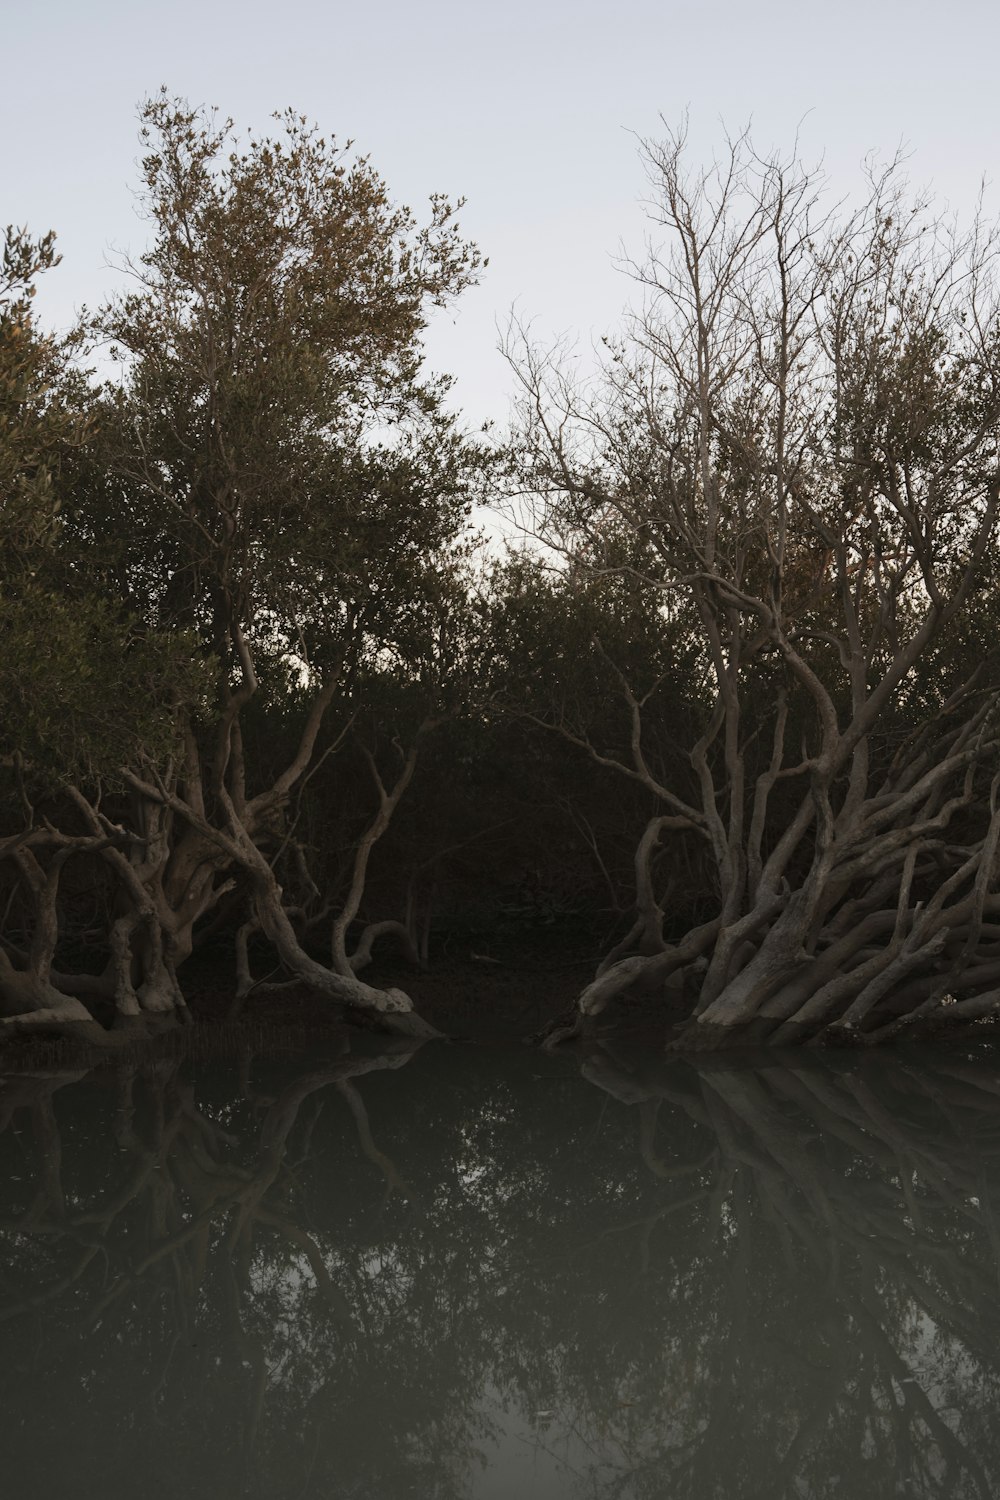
(264, 691)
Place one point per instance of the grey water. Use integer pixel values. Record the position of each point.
(470, 1273)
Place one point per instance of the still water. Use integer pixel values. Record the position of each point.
(478, 1273)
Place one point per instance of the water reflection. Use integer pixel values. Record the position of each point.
(460, 1273)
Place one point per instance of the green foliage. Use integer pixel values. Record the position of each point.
(568, 642)
(272, 458)
(84, 693)
(83, 688)
(40, 414)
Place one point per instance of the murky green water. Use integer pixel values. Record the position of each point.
(484, 1274)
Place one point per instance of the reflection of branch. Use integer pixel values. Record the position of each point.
(355, 1103)
(188, 1156)
(865, 1222)
(648, 1223)
(300, 1237)
(51, 1292)
(786, 1194)
(916, 1397)
(284, 1111)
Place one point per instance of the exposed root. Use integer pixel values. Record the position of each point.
(392, 1023)
(569, 1026)
(709, 1036)
(56, 1023)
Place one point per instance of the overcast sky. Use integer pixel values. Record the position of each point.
(530, 109)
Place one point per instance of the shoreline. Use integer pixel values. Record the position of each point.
(485, 1002)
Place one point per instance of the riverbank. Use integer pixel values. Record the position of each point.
(479, 999)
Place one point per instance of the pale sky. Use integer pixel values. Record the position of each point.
(529, 110)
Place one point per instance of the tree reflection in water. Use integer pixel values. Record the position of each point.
(474, 1273)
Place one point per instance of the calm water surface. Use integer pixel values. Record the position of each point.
(477, 1273)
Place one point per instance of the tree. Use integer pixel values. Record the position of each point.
(273, 486)
(793, 452)
(79, 686)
